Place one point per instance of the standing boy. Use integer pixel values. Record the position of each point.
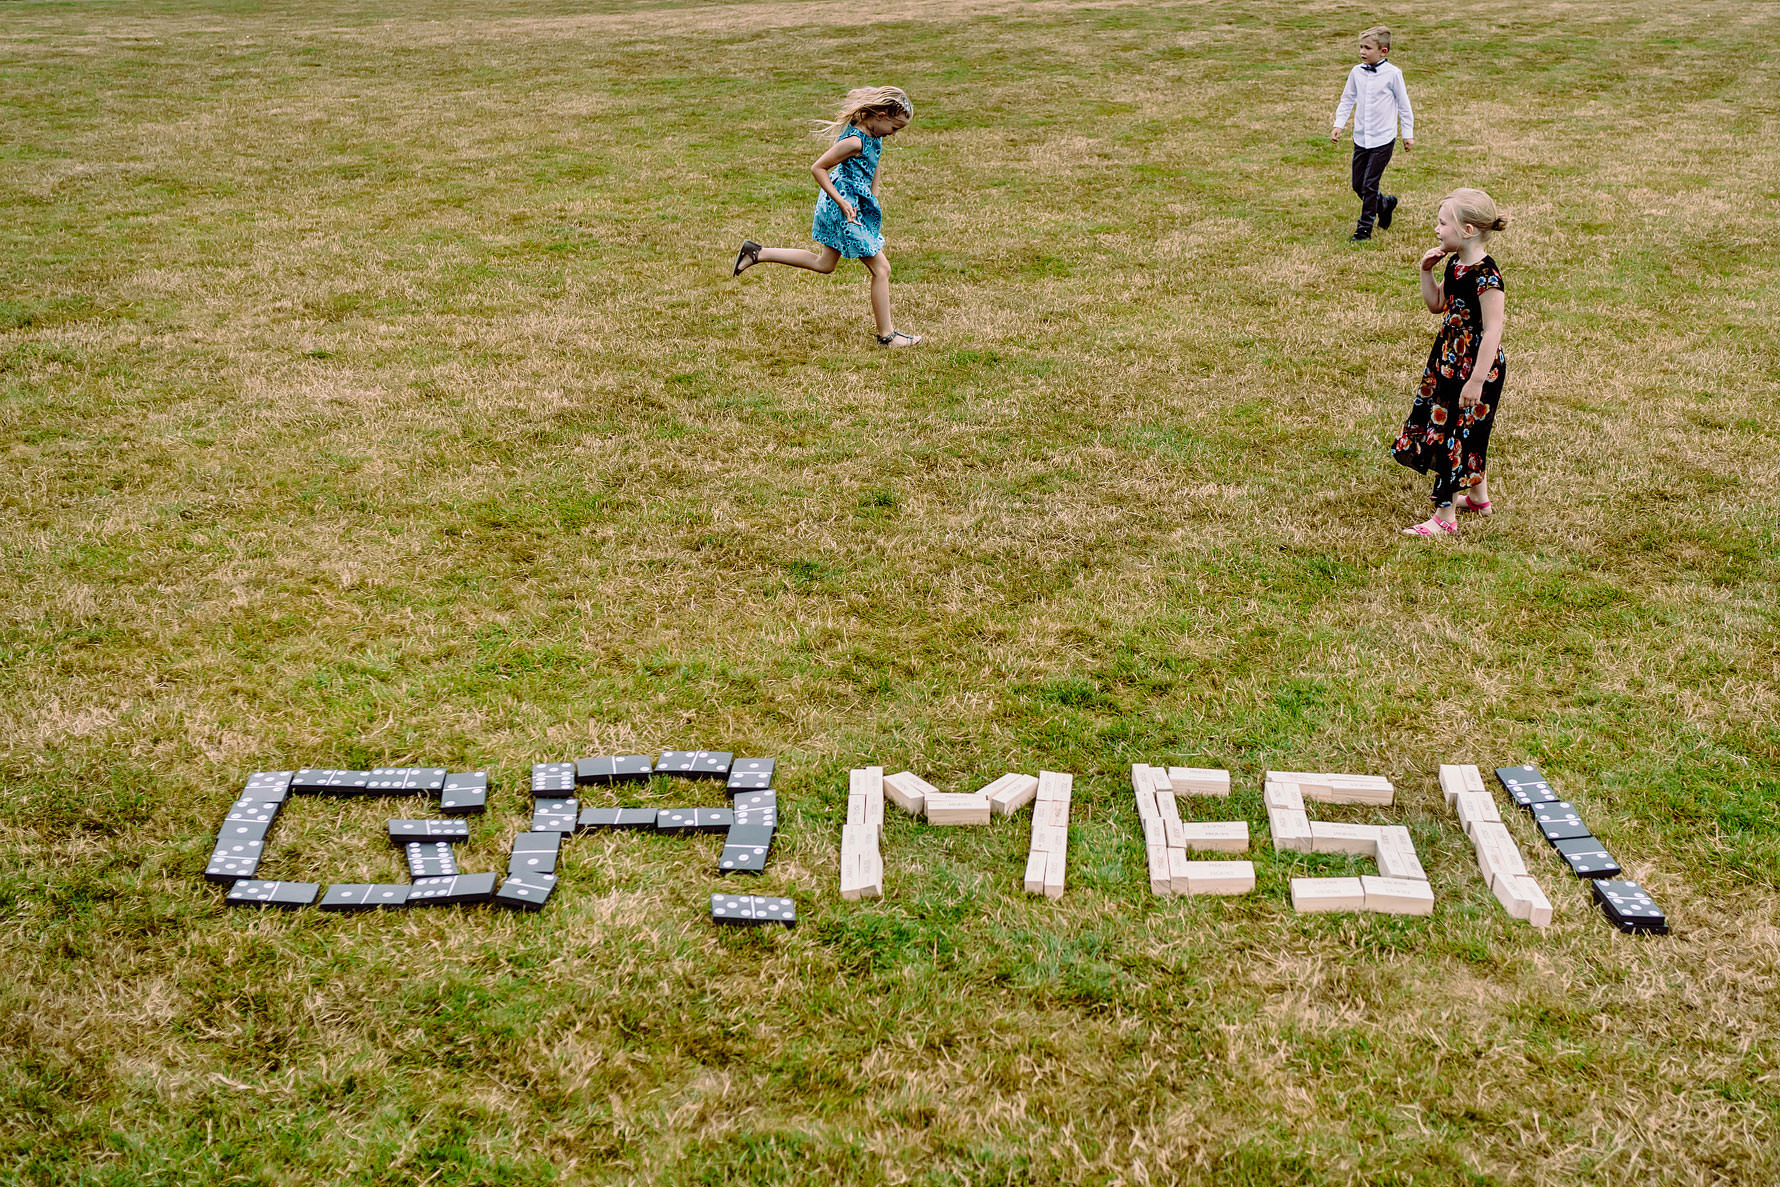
(1378, 100)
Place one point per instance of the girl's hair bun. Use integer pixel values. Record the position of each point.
(1477, 208)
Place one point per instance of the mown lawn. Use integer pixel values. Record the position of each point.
(373, 391)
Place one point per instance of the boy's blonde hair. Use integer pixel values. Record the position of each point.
(1379, 36)
(1478, 209)
(859, 101)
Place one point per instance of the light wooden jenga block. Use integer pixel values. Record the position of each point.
(857, 811)
(863, 837)
(1291, 830)
(1158, 862)
(1166, 806)
(1497, 854)
(941, 807)
(1140, 779)
(1398, 896)
(1396, 854)
(1329, 836)
(1476, 806)
(1220, 836)
(1052, 812)
(1010, 793)
(862, 873)
(1283, 795)
(1359, 789)
(1177, 870)
(1456, 778)
(1055, 864)
(1036, 863)
(1159, 781)
(1523, 898)
(908, 791)
(1054, 785)
(1147, 808)
(1049, 837)
(1174, 833)
(1199, 780)
(1327, 894)
(1220, 877)
(1155, 831)
(865, 781)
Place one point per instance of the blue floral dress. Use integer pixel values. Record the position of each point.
(1439, 437)
(852, 178)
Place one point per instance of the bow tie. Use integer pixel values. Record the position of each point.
(1369, 69)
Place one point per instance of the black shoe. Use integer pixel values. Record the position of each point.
(1386, 209)
(1361, 235)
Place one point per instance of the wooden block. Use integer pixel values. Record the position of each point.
(1140, 779)
(865, 781)
(1452, 781)
(1177, 869)
(1523, 898)
(1011, 792)
(1220, 877)
(1291, 830)
(942, 807)
(1398, 896)
(1159, 781)
(1538, 906)
(1054, 785)
(1158, 862)
(851, 884)
(908, 791)
(1396, 854)
(1166, 806)
(1155, 832)
(1352, 793)
(1475, 806)
(1497, 854)
(1328, 836)
(856, 810)
(1221, 836)
(1047, 838)
(862, 874)
(1174, 833)
(1036, 863)
(874, 807)
(1473, 777)
(1283, 795)
(863, 838)
(1054, 871)
(1327, 894)
(1147, 808)
(1199, 781)
(1052, 812)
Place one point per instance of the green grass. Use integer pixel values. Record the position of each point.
(373, 391)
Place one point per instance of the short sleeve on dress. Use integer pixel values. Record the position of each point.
(1490, 277)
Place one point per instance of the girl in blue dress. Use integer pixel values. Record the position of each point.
(849, 222)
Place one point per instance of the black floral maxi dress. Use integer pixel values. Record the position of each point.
(1439, 438)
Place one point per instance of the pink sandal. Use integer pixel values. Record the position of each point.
(1440, 525)
(1470, 507)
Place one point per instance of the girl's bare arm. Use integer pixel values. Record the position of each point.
(839, 151)
(1433, 291)
(1492, 303)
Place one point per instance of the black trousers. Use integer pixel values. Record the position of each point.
(1369, 166)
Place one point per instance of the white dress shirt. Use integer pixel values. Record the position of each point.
(1377, 99)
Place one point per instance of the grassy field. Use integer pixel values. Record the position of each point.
(373, 391)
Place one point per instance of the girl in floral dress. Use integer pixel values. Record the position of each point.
(1448, 430)
(849, 222)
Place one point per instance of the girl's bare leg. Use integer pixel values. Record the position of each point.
(879, 267)
(799, 257)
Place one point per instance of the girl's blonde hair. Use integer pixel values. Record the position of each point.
(859, 100)
(1478, 209)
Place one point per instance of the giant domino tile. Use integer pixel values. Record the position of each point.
(748, 824)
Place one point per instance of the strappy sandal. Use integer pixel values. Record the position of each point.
(750, 252)
(1471, 507)
(896, 338)
(1440, 525)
